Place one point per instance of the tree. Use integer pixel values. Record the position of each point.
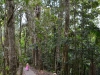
(64, 38)
(11, 36)
(66, 47)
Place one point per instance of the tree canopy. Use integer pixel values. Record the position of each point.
(61, 36)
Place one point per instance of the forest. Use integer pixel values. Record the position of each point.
(55, 36)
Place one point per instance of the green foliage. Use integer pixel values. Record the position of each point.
(83, 39)
(95, 4)
(7, 68)
(0, 73)
(22, 59)
(27, 1)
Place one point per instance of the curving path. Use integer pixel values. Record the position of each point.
(30, 72)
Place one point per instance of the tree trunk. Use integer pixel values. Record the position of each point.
(76, 63)
(33, 52)
(36, 51)
(55, 40)
(11, 37)
(25, 46)
(2, 47)
(34, 43)
(20, 52)
(36, 14)
(6, 45)
(92, 65)
(40, 60)
(65, 51)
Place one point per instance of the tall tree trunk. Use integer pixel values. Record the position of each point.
(36, 57)
(92, 65)
(6, 45)
(25, 47)
(65, 51)
(20, 52)
(33, 34)
(35, 47)
(55, 40)
(2, 47)
(59, 29)
(26, 37)
(76, 63)
(40, 63)
(11, 37)
(27, 32)
(34, 51)
(36, 14)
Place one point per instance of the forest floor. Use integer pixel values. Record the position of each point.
(33, 71)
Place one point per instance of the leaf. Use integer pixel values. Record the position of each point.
(95, 4)
(27, 1)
